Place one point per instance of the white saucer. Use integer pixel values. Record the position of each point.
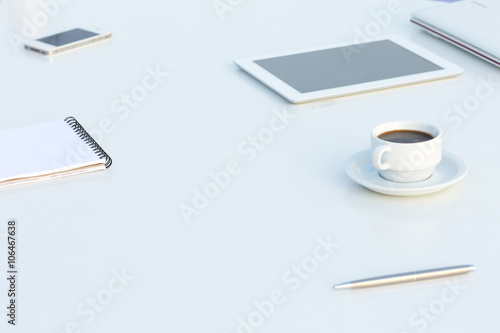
(450, 170)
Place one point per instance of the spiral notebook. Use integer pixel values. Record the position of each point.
(48, 150)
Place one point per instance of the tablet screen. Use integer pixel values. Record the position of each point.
(344, 66)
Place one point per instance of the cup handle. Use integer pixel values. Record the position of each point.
(377, 157)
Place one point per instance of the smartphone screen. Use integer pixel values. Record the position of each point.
(67, 37)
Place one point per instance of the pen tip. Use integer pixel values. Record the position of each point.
(472, 268)
(342, 286)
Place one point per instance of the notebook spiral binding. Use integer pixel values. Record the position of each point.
(82, 133)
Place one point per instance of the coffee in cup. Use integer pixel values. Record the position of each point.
(406, 151)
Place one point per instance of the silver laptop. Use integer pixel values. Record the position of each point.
(471, 25)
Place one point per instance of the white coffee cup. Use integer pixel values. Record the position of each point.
(406, 151)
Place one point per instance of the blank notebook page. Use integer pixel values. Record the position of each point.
(43, 148)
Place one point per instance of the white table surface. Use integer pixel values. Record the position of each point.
(259, 238)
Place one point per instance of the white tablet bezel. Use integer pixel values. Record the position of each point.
(49, 49)
(248, 65)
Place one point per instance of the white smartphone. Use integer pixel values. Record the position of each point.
(65, 41)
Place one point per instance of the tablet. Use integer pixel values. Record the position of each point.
(338, 70)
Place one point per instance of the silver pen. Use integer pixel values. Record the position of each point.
(407, 277)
